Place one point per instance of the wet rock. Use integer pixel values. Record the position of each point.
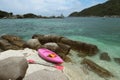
(47, 38)
(5, 45)
(13, 68)
(15, 40)
(33, 43)
(96, 68)
(105, 56)
(87, 49)
(117, 60)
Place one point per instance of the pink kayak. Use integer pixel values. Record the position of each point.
(49, 55)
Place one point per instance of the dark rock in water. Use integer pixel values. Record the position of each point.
(33, 43)
(5, 45)
(1, 50)
(105, 56)
(96, 68)
(15, 40)
(13, 68)
(87, 49)
(117, 60)
(47, 38)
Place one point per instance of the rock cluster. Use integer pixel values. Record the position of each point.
(87, 49)
(58, 44)
(11, 42)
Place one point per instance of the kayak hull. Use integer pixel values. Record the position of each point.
(44, 53)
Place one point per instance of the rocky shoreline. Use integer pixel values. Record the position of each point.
(59, 44)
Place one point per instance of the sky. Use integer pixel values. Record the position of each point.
(46, 7)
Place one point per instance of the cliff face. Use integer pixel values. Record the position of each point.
(109, 8)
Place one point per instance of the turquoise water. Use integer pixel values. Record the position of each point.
(106, 30)
(103, 32)
(99, 31)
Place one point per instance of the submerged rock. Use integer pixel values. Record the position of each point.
(117, 60)
(105, 56)
(13, 68)
(96, 68)
(1, 50)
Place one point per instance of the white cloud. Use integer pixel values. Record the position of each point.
(43, 7)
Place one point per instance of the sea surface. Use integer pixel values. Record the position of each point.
(103, 32)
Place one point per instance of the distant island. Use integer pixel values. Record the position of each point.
(6, 15)
(111, 8)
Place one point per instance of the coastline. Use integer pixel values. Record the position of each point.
(73, 69)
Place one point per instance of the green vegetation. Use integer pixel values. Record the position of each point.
(5, 14)
(30, 15)
(109, 8)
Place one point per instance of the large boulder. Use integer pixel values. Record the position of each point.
(51, 45)
(47, 38)
(117, 60)
(33, 43)
(87, 49)
(5, 45)
(96, 68)
(46, 75)
(13, 68)
(15, 40)
(105, 56)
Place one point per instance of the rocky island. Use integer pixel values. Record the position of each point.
(111, 8)
(7, 15)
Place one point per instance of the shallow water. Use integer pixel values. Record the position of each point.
(103, 32)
